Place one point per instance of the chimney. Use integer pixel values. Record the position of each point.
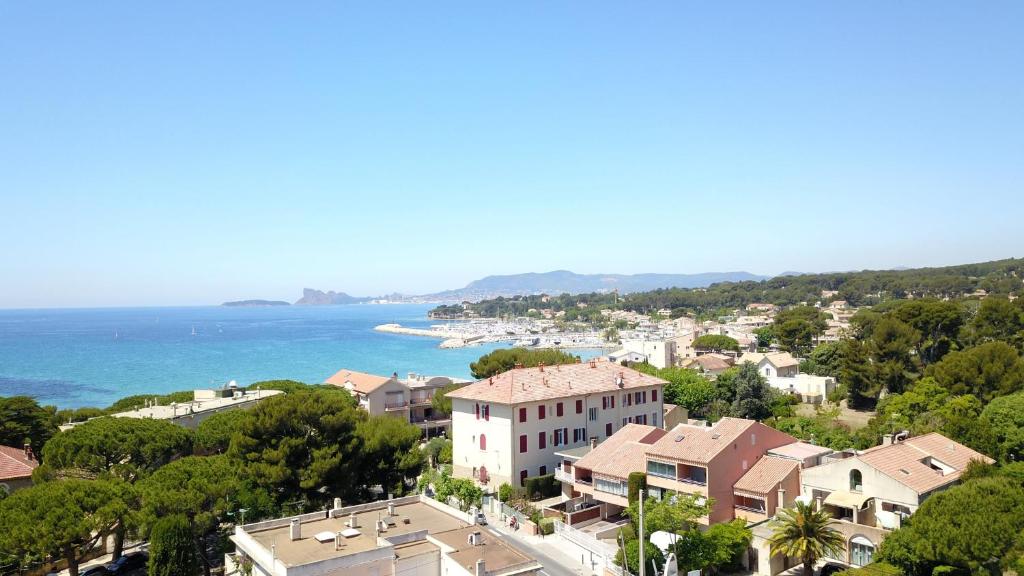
(295, 529)
(886, 439)
(782, 498)
(29, 455)
(338, 538)
(481, 568)
(391, 509)
(518, 365)
(337, 503)
(352, 520)
(541, 366)
(394, 375)
(475, 539)
(593, 442)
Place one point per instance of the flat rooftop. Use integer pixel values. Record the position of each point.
(496, 554)
(414, 517)
(179, 409)
(800, 451)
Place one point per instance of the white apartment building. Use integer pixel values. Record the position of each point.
(509, 427)
(409, 399)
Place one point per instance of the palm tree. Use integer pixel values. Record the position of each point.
(803, 532)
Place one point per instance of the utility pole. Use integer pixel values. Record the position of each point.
(641, 496)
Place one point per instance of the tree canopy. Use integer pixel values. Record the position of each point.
(716, 343)
(986, 371)
(23, 419)
(65, 518)
(213, 435)
(390, 449)
(505, 359)
(171, 549)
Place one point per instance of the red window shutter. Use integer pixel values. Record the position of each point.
(654, 395)
(477, 411)
(579, 406)
(558, 409)
(483, 441)
(522, 414)
(565, 435)
(542, 440)
(522, 443)
(540, 412)
(613, 401)
(487, 412)
(604, 402)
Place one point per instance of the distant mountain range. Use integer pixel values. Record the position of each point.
(556, 282)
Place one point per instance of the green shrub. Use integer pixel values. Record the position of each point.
(171, 549)
(540, 487)
(637, 482)
(504, 492)
(547, 526)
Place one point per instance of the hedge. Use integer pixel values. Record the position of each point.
(540, 487)
(546, 525)
(637, 482)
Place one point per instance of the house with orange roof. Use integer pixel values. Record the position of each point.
(869, 493)
(509, 427)
(16, 466)
(409, 399)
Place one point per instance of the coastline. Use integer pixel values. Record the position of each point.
(476, 333)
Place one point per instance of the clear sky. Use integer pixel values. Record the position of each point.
(194, 152)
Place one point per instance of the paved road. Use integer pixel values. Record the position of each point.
(553, 566)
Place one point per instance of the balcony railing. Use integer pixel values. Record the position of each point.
(396, 405)
(420, 400)
(563, 476)
(694, 481)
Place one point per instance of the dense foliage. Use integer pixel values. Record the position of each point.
(804, 533)
(505, 359)
(171, 551)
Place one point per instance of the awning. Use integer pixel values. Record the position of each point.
(854, 500)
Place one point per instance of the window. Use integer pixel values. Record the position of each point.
(612, 398)
(638, 398)
(522, 443)
(861, 551)
(579, 434)
(543, 470)
(608, 429)
(522, 414)
(654, 395)
(559, 439)
(661, 469)
(627, 399)
(559, 411)
(604, 402)
(856, 481)
(542, 440)
(487, 412)
(522, 478)
(624, 422)
(611, 486)
(654, 418)
(477, 411)
(579, 406)
(593, 414)
(641, 419)
(540, 411)
(483, 441)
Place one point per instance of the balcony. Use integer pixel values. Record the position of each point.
(395, 405)
(420, 400)
(563, 476)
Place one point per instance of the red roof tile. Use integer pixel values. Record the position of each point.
(14, 465)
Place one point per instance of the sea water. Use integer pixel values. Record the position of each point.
(92, 357)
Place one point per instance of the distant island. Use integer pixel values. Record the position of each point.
(252, 303)
(311, 297)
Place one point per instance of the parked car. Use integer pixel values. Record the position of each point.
(831, 568)
(127, 563)
(480, 519)
(95, 571)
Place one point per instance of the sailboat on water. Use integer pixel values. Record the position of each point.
(194, 333)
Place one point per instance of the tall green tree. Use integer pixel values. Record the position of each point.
(303, 445)
(505, 359)
(988, 370)
(204, 490)
(23, 419)
(171, 549)
(213, 435)
(824, 360)
(805, 533)
(858, 374)
(66, 518)
(795, 328)
(891, 345)
(124, 448)
(390, 449)
(1005, 416)
(716, 343)
(440, 402)
(999, 319)
(753, 395)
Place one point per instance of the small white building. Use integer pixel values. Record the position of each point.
(659, 353)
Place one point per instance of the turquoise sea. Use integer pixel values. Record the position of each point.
(91, 357)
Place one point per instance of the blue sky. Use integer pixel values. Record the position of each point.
(192, 152)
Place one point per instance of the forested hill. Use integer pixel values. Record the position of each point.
(564, 281)
(866, 287)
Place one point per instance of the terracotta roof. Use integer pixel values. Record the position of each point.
(14, 464)
(623, 452)
(564, 381)
(707, 362)
(765, 476)
(800, 451)
(905, 461)
(360, 381)
(699, 444)
(778, 359)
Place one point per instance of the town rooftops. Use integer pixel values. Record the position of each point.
(777, 359)
(16, 463)
(205, 401)
(707, 362)
(497, 556)
(699, 444)
(623, 452)
(559, 381)
(922, 463)
(359, 381)
(765, 475)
